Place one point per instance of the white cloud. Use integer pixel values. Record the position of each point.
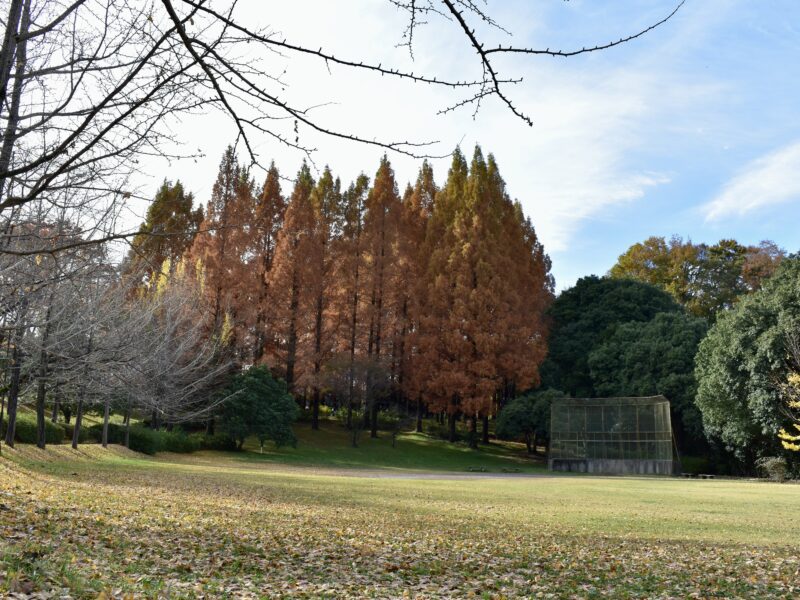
(767, 181)
(591, 116)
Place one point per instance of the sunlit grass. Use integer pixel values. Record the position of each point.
(216, 524)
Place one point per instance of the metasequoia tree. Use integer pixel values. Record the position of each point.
(219, 249)
(488, 286)
(267, 223)
(326, 201)
(289, 279)
(381, 221)
(348, 305)
(418, 202)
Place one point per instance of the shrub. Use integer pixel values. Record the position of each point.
(258, 405)
(773, 467)
(177, 441)
(116, 433)
(142, 439)
(528, 418)
(218, 441)
(25, 430)
(83, 435)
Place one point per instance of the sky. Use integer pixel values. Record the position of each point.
(691, 130)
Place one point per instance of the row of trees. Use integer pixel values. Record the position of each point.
(77, 338)
(435, 297)
(726, 366)
(704, 278)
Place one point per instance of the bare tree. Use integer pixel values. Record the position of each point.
(87, 87)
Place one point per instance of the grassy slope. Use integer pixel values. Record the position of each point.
(332, 447)
(182, 526)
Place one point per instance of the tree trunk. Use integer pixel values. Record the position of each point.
(315, 410)
(528, 443)
(367, 413)
(42, 386)
(13, 390)
(41, 432)
(210, 426)
(6, 61)
(9, 44)
(79, 414)
(76, 431)
(67, 411)
(473, 431)
(419, 416)
(451, 423)
(127, 422)
(485, 429)
(291, 346)
(56, 403)
(106, 414)
(2, 416)
(373, 431)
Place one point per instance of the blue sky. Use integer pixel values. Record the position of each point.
(692, 130)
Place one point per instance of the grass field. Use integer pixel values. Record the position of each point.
(116, 524)
(332, 447)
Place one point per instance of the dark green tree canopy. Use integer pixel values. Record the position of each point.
(651, 358)
(740, 360)
(259, 406)
(528, 418)
(585, 316)
(168, 229)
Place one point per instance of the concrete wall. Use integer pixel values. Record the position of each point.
(611, 466)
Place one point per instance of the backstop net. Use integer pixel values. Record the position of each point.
(611, 435)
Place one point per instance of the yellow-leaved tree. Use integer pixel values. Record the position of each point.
(790, 393)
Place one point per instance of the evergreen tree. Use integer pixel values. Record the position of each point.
(167, 232)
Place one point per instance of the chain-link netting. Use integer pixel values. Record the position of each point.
(611, 429)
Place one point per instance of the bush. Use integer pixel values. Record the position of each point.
(142, 439)
(259, 405)
(528, 418)
(25, 429)
(218, 441)
(116, 433)
(177, 441)
(83, 435)
(773, 467)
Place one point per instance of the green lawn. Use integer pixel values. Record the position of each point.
(178, 526)
(331, 447)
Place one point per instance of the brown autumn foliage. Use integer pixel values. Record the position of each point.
(441, 292)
